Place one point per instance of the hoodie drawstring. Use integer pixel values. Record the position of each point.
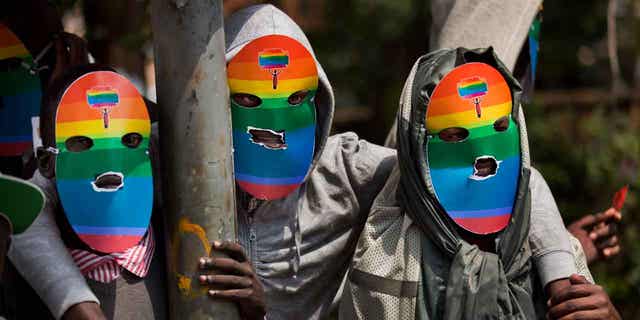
(297, 233)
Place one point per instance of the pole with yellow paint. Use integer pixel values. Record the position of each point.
(196, 147)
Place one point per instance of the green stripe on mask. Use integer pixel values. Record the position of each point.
(279, 103)
(88, 164)
(285, 118)
(107, 143)
(482, 141)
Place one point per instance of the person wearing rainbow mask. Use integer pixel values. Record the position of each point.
(302, 194)
(273, 82)
(458, 210)
(96, 168)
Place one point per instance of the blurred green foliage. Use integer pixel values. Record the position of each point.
(585, 157)
(587, 152)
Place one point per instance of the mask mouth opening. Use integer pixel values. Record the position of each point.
(108, 182)
(484, 168)
(270, 139)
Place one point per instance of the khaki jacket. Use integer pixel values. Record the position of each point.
(386, 270)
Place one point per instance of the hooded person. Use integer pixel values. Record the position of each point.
(303, 195)
(449, 235)
(96, 168)
(513, 28)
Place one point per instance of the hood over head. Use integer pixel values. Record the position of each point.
(260, 21)
(499, 273)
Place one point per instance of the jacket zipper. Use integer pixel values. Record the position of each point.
(253, 205)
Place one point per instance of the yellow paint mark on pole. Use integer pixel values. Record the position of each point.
(185, 226)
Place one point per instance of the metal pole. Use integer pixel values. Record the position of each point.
(196, 147)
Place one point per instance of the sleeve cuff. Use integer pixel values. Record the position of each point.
(63, 303)
(555, 265)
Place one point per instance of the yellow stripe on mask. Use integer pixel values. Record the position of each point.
(468, 119)
(95, 128)
(264, 89)
(13, 51)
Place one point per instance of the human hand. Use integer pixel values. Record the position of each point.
(598, 234)
(71, 51)
(84, 311)
(581, 300)
(235, 280)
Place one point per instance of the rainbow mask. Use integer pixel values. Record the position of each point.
(273, 82)
(473, 149)
(103, 170)
(20, 95)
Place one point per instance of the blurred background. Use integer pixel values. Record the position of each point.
(584, 117)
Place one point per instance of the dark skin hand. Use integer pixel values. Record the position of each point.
(581, 300)
(71, 50)
(598, 234)
(84, 311)
(233, 279)
(554, 287)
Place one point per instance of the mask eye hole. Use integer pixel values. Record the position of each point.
(78, 143)
(297, 97)
(246, 100)
(501, 124)
(132, 140)
(453, 134)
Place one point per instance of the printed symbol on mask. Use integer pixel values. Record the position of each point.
(270, 139)
(103, 98)
(273, 60)
(473, 88)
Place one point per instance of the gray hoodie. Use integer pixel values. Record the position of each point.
(301, 245)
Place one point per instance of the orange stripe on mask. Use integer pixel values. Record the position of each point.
(125, 90)
(297, 68)
(128, 108)
(490, 75)
(294, 48)
(443, 105)
(8, 38)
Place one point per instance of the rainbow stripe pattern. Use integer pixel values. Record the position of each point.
(472, 88)
(481, 206)
(106, 221)
(273, 58)
(262, 172)
(20, 95)
(101, 97)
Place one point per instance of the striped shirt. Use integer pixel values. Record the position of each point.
(106, 268)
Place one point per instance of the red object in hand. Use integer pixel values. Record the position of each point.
(619, 197)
